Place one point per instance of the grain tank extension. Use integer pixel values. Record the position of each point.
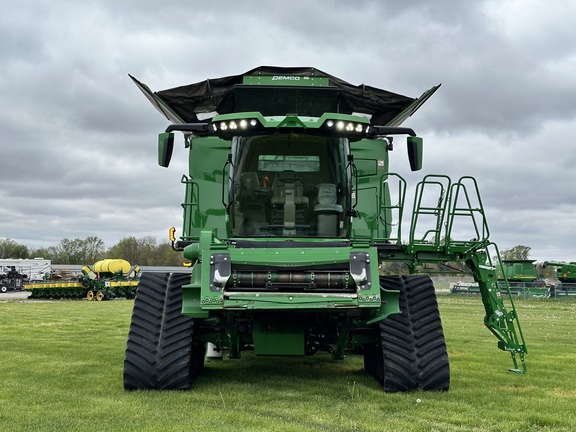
(290, 207)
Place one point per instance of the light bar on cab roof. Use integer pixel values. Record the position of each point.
(345, 126)
(234, 125)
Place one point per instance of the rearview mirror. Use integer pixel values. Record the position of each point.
(165, 148)
(415, 152)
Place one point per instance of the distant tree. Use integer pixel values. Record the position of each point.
(127, 249)
(76, 251)
(94, 249)
(168, 257)
(51, 253)
(10, 249)
(519, 252)
(71, 251)
(145, 251)
(148, 249)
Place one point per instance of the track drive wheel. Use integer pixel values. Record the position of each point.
(161, 353)
(412, 354)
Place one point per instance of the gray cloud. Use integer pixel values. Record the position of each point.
(78, 139)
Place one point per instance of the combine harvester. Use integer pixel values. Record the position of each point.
(566, 274)
(106, 279)
(289, 208)
(520, 276)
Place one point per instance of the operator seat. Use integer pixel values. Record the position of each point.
(327, 210)
(288, 201)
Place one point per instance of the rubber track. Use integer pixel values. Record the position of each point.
(413, 351)
(398, 368)
(160, 353)
(430, 346)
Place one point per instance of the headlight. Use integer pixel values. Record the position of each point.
(346, 127)
(234, 125)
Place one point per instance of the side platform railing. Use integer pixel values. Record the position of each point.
(448, 224)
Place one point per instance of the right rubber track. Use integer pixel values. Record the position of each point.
(161, 353)
(413, 352)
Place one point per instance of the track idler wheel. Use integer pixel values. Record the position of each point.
(90, 295)
(99, 296)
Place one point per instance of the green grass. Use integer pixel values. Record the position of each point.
(61, 370)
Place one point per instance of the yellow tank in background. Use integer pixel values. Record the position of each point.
(111, 266)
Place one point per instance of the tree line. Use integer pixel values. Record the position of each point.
(145, 251)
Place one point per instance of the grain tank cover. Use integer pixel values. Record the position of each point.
(289, 88)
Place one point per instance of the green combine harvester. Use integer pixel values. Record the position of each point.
(289, 209)
(106, 279)
(522, 278)
(566, 274)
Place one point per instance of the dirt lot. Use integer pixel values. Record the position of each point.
(11, 295)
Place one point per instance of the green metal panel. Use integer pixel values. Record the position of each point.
(286, 80)
(365, 225)
(204, 195)
(191, 295)
(519, 270)
(272, 337)
(371, 161)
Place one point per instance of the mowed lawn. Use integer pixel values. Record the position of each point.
(61, 370)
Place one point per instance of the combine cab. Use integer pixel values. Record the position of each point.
(566, 274)
(289, 209)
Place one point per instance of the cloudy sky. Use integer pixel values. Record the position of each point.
(78, 139)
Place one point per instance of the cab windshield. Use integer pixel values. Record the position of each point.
(289, 185)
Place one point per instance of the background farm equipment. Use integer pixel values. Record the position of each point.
(519, 277)
(522, 278)
(566, 274)
(15, 273)
(12, 280)
(106, 279)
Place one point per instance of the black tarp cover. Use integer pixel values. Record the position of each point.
(183, 104)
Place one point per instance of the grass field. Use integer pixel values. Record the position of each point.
(61, 370)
